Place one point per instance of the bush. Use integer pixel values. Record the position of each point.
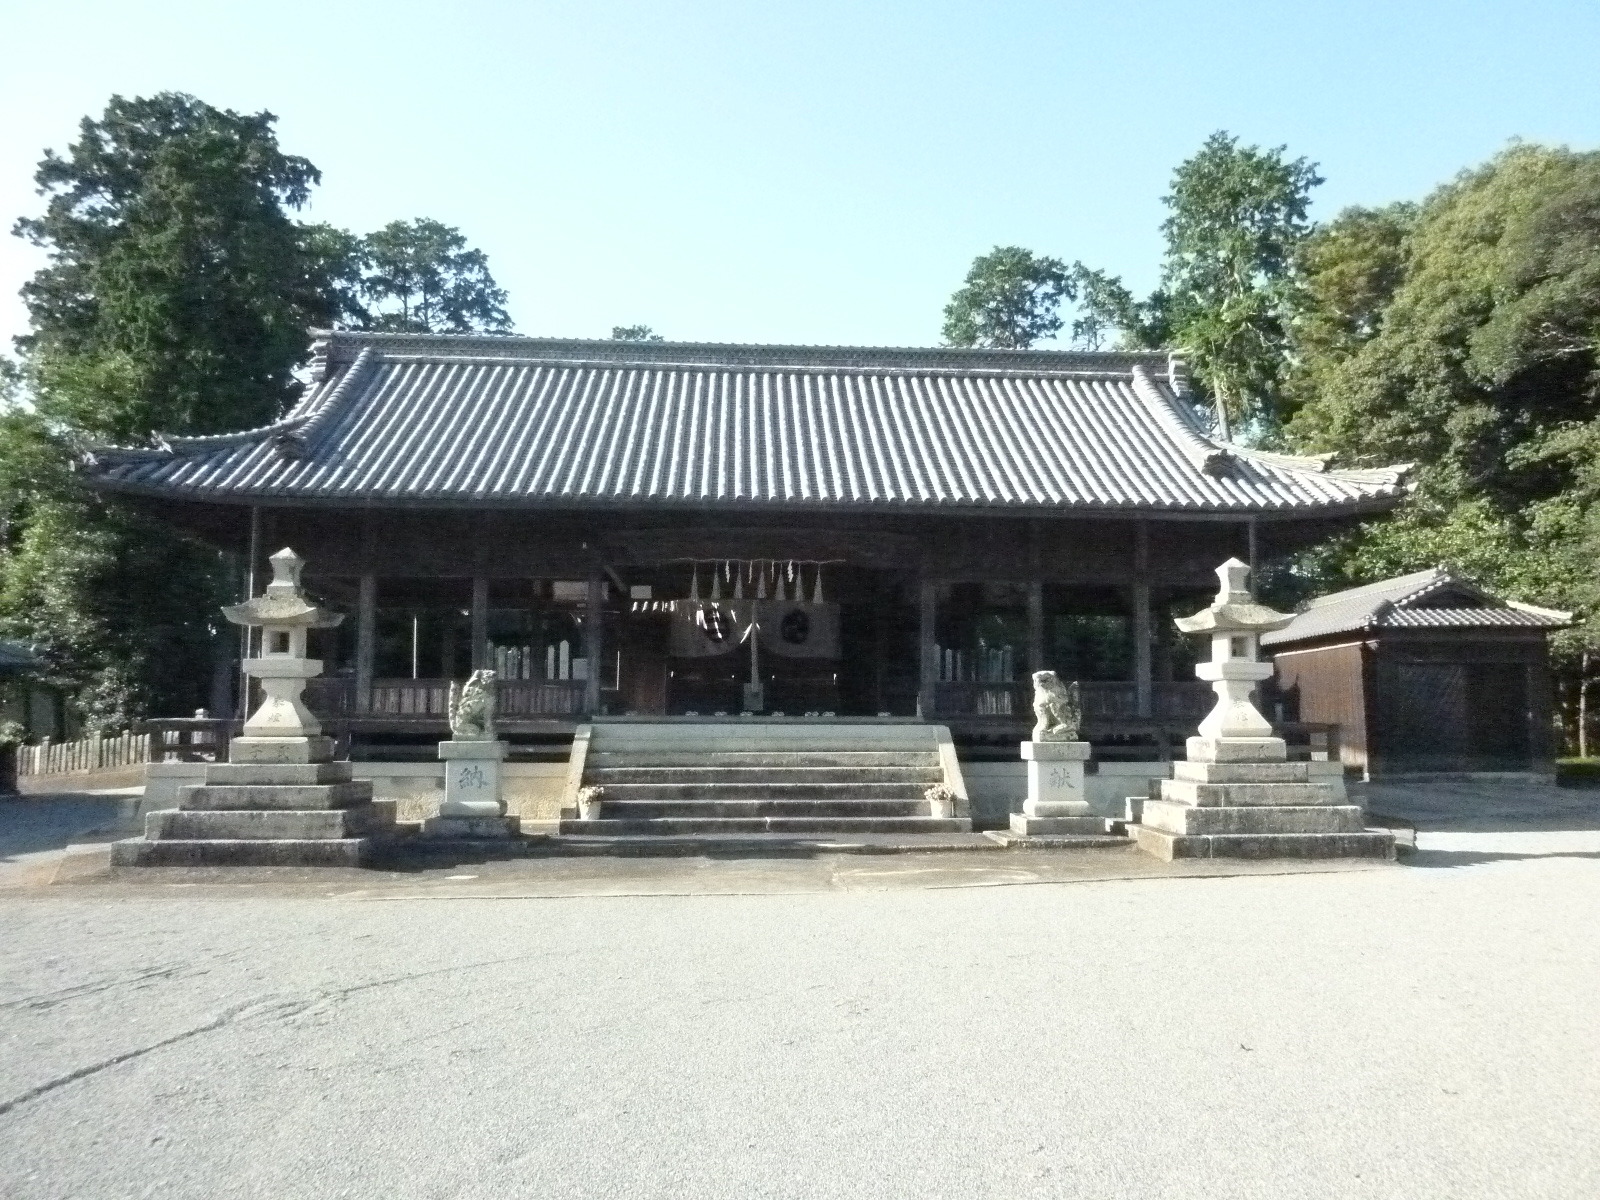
(1578, 772)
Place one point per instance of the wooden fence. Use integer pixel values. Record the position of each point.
(86, 754)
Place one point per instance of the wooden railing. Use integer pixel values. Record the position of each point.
(93, 753)
(429, 699)
(190, 739)
(1101, 701)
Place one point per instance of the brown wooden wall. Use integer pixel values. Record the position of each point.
(1327, 684)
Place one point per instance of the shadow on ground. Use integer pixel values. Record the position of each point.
(52, 821)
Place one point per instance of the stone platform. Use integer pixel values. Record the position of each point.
(1238, 800)
(300, 810)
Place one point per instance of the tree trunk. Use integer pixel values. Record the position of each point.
(1582, 715)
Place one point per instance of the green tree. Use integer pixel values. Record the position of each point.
(1011, 298)
(177, 293)
(635, 333)
(176, 298)
(1464, 335)
(421, 277)
(1237, 217)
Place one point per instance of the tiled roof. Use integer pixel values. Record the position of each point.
(521, 421)
(1435, 598)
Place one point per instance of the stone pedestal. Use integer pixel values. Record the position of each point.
(472, 806)
(1055, 805)
(1241, 798)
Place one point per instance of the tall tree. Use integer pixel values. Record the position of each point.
(176, 297)
(1466, 337)
(1011, 298)
(635, 333)
(420, 276)
(1236, 218)
(177, 293)
(1238, 215)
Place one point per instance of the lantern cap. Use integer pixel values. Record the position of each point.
(283, 602)
(1235, 609)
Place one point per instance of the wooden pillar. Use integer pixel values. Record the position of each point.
(927, 616)
(1250, 543)
(447, 647)
(1143, 688)
(480, 623)
(366, 639)
(594, 640)
(1035, 626)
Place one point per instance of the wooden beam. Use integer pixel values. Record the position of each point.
(1035, 626)
(594, 639)
(366, 638)
(480, 623)
(1143, 690)
(927, 616)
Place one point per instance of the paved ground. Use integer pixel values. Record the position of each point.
(804, 1031)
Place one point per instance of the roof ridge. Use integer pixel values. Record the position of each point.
(1205, 453)
(331, 345)
(1361, 591)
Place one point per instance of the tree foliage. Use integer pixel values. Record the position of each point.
(177, 295)
(420, 276)
(1011, 299)
(1464, 335)
(1237, 216)
(635, 333)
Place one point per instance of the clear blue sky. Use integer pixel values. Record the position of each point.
(815, 172)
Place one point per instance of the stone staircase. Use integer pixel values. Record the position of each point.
(792, 779)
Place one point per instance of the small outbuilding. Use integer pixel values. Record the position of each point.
(1423, 672)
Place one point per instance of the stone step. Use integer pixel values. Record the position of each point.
(211, 797)
(778, 790)
(1187, 791)
(607, 777)
(214, 852)
(634, 810)
(259, 773)
(269, 824)
(1259, 818)
(1226, 772)
(767, 759)
(843, 826)
(1167, 846)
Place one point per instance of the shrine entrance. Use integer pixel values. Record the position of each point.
(775, 638)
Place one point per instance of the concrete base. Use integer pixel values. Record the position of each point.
(1080, 825)
(471, 828)
(1369, 843)
(217, 852)
(280, 749)
(1025, 825)
(472, 772)
(1239, 798)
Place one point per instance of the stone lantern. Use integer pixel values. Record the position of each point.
(278, 799)
(282, 729)
(1238, 795)
(1235, 622)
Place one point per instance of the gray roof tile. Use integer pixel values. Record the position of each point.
(1412, 602)
(557, 423)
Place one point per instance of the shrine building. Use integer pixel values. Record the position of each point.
(683, 531)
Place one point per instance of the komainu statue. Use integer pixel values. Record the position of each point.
(1057, 708)
(472, 708)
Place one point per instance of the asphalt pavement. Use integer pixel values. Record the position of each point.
(861, 1029)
